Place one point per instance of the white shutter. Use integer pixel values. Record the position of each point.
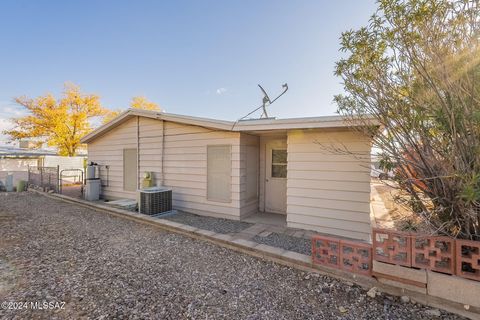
(130, 179)
(219, 173)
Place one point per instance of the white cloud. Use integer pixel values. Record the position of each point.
(4, 125)
(221, 91)
(8, 110)
(12, 111)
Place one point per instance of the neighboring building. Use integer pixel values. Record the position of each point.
(17, 160)
(316, 171)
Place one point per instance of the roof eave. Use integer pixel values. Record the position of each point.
(239, 126)
(105, 127)
(203, 122)
(303, 123)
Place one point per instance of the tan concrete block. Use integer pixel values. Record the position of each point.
(454, 288)
(187, 228)
(402, 286)
(270, 250)
(246, 236)
(400, 272)
(297, 257)
(245, 243)
(149, 219)
(254, 230)
(170, 223)
(223, 237)
(265, 233)
(203, 232)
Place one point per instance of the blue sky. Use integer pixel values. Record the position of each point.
(202, 58)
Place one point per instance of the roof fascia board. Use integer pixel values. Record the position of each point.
(203, 122)
(105, 127)
(238, 126)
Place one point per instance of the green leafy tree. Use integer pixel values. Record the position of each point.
(415, 68)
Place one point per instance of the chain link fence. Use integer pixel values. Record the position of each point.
(44, 178)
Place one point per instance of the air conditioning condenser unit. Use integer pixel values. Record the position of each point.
(154, 200)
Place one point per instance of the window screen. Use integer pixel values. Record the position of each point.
(219, 173)
(279, 163)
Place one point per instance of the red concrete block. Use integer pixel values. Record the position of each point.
(326, 251)
(468, 259)
(356, 257)
(433, 253)
(392, 246)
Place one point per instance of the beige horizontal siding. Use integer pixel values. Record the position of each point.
(150, 151)
(328, 189)
(303, 191)
(108, 150)
(339, 216)
(184, 162)
(331, 175)
(332, 185)
(340, 232)
(320, 156)
(248, 206)
(347, 166)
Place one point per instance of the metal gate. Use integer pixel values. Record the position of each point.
(44, 178)
(72, 182)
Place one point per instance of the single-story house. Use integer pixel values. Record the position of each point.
(315, 171)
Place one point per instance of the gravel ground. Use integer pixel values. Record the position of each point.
(107, 267)
(286, 242)
(208, 223)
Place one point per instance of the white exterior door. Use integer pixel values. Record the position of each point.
(276, 176)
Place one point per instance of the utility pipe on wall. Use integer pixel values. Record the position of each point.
(138, 152)
(163, 151)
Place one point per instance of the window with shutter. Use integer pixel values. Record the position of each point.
(219, 173)
(130, 179)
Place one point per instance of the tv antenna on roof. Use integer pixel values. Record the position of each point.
(266, 101)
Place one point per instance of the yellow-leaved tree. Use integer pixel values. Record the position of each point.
(136, 103)
(61, 123)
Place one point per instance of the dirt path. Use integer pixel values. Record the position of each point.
(106, 267)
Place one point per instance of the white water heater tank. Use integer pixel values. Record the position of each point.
(92, 171)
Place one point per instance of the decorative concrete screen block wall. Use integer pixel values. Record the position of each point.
(356, 257)
(326, 251)
(392, 247)
(433, 253)
(468, 259)
(433, 266)
(347, 255)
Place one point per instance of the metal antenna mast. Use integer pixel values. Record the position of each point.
(266, 101)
